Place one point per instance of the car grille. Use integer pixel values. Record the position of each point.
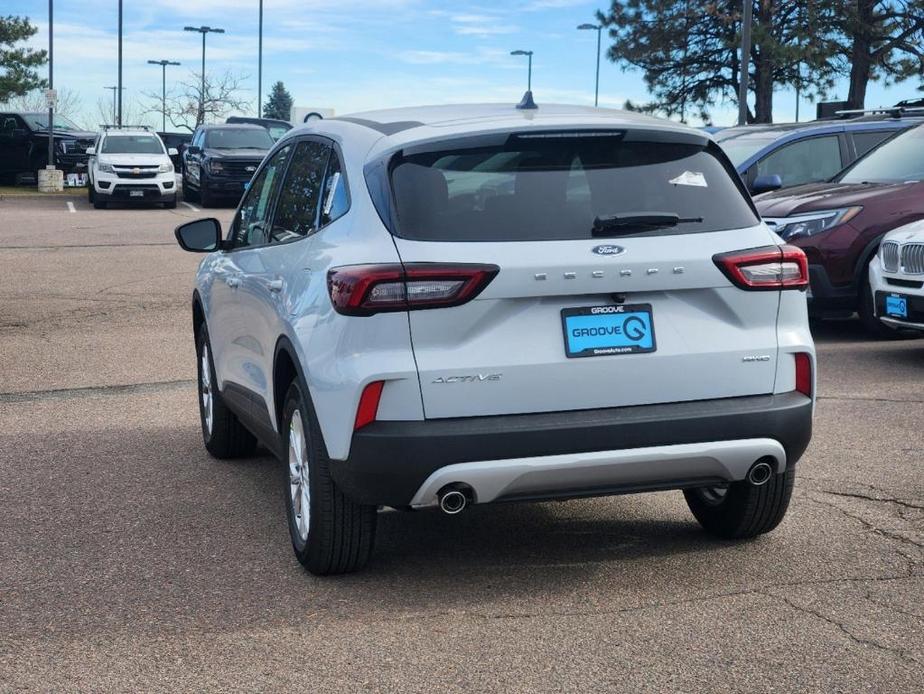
(239, 168)
(890, 256)
(135, 171)
(75, 146)
(913, 258)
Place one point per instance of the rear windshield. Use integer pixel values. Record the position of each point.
(132, 144)
(234, 138)
(553, 187)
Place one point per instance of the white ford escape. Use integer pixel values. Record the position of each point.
(458, 305)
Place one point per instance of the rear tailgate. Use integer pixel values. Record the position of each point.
(504, 352)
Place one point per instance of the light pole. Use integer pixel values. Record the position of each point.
(260, 66)
(163, 88)
(529, 74)
(118, 119)
(203, 30)
(599, 29)
(51, 83)
(115, 90)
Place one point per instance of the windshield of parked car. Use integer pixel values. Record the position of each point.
(238, 138)
(557, 186)
(899, 160)
(740, 149)
(132, 144)
(39, 121)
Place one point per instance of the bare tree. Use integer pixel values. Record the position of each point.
(69, 104)
(221, 96)
(131, 114)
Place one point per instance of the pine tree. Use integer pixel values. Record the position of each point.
(279, 103)
(17, 73)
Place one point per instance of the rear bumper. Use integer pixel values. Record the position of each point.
(391, 462)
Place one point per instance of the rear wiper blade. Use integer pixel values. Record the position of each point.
(631, 222)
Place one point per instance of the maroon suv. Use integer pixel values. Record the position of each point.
(839, 224)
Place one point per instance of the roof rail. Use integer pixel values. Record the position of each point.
(893, 111)
(110, 126)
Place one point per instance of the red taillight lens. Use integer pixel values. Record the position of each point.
(363, 290)
(368, 404)
(804, 373)
(770, 267)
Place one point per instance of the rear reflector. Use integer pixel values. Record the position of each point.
(804, 373)
(769, 267)
(363, 290)
(368, 404)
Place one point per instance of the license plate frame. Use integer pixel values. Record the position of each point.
(896, 306)
(626, 329)
(136, 193)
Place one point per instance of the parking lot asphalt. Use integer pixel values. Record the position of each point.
(130, 560)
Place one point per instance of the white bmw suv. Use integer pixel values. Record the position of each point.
(897, 279)
(459, 305)
(130, 165)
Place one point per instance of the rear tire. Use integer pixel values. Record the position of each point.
(742, 510)
(334, 535)
(222, 432)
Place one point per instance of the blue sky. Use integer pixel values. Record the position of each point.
(354, 55)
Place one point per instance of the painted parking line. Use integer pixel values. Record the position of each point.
(70, 207)
(192, 207)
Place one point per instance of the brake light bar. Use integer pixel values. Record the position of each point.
(364, 290)
(765, 268)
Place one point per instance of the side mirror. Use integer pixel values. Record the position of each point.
(193, 149)
(91, 151)
(171, 152)
(766, 183)
(200, 236)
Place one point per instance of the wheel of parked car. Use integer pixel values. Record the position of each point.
(222, 432)
(189, 195)
(171, 203)
(330, 533)
(206, 199)
(91, 192)
(742, 510)
(99, 204)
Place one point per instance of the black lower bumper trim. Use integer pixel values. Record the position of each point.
(389, 461)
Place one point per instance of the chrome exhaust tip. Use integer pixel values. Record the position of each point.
(760, 473)
(452, 499)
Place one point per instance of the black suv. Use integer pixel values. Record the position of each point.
(24, 144)
(220, 161)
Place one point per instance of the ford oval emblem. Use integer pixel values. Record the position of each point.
(609, 249)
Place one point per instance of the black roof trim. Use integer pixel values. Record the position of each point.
(384, 128)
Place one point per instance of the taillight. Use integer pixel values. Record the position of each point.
(804, 373)
(770, 267)
(363, 290)
(368, 404)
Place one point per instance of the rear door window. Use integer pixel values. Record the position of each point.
(297, 210)
(553, 186)
(806, 161)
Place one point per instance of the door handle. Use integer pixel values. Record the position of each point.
(274, 285)
(233, 282)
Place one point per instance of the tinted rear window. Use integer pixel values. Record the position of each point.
(552, 187)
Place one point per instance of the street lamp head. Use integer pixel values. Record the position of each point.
(519, 52)
(585, 27)
(205, 30)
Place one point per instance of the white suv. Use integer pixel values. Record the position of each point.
(459, 305)
(130, 165)
(897, 279)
